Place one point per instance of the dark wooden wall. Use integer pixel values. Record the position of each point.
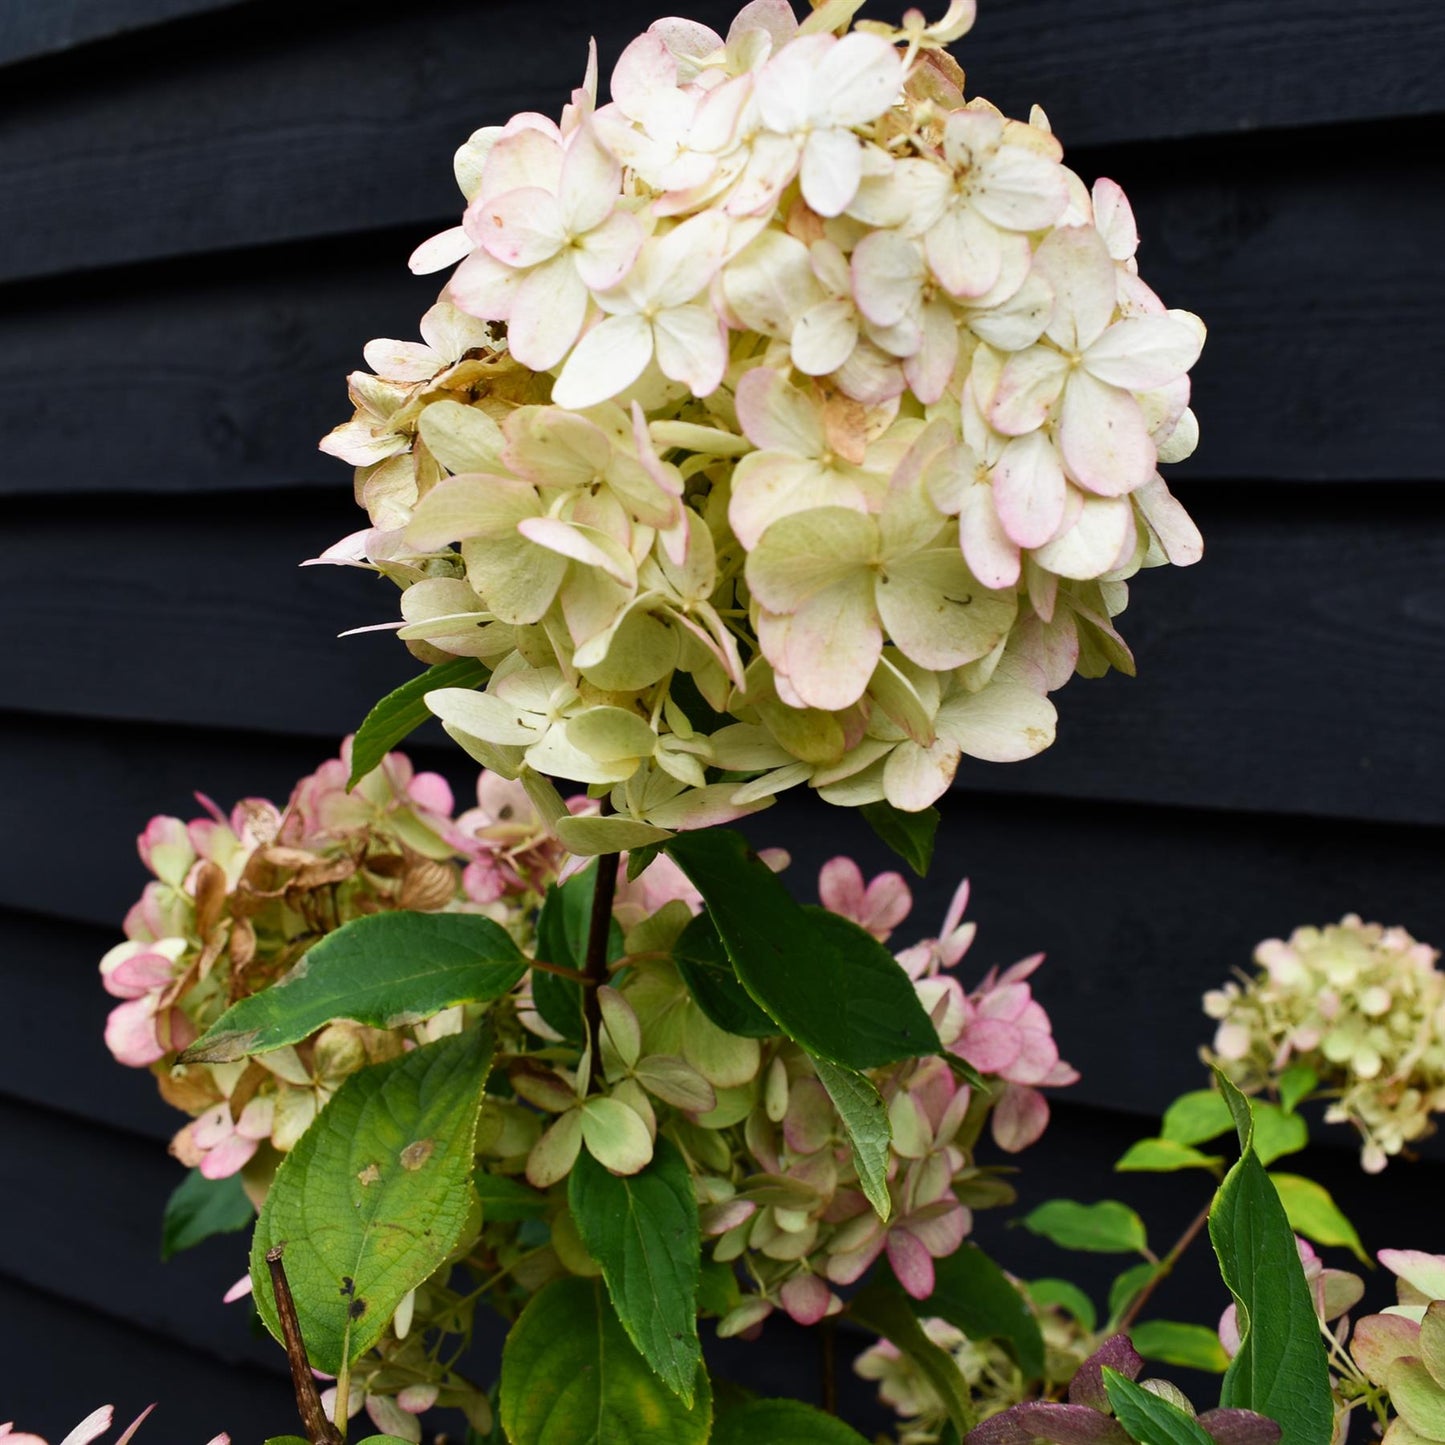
(207, 206)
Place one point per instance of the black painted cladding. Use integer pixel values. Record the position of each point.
(208, 205)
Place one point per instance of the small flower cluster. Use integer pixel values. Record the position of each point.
(994, 1380)
(788, 420)
(1363, 1007)
(237, 899)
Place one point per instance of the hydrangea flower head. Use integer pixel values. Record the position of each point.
(789, 419)
(1361, 1005)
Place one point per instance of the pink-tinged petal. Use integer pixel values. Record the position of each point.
(591, 182)
(992, 555)
(930, 368)
(521, 228)
(887, 274)
(483, 286)
(257, 1118)
(1229, 1337)
(1019, 1118)
(965, 252)
(213, 1127)
(1424, 1272)
(139, 974)
(942, 1229)
(811, 1120)
(607, 360)
(227, 1157)
(1029, 489)
(831, 170)
(1092, 546)
(527, 156)
(1144, 352)
(606, 253)
(692, 347)
(1005, 723)
(840, 887)
(130, 1033)
(847, 1266)
(548, 309)
(912, 1263)
(391, 1419)
(237, 1291)
(417, 1398)
(888, 901)
(1169, 522)
(1114, 219)
(1021, 190)
(92, 1427)
(1019, 321)
(1075, 262)
(1377, 1342)
(128, 1434)
(806, 1298)
(1028, 386)
(1036, 1058)
(834, 643)
(915, 777)
(990, 1045)
(438, 252)
(430, 792)
(1007, 1002)
(956, 906)
(824, 337)
(857, 79)
(777, 416)
(644, 68)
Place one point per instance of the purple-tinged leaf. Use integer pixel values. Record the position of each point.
(1087, 1386)
(1045, 1420)
(1240, 1427)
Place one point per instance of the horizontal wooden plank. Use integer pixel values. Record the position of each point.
(1139, 909)
(268, 123)
(27, 31)
(62, 1360)
(1289, 672)
(224, 377)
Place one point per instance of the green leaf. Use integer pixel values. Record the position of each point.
(708, 973)
(1295, 1085)
(200, 1207)
(1280, 1370)
(910, 835)
(382, 1440)
(505, 1200)
(865, 1116)
(829, 984)
(1193, 1347)
(884, 1308)
(385, 970)
(1192, 1118)
(643, 1230)
(1067, 1296)
(1126, 1286)
(1107, 1227)
(1277, 1133)
(781, 1422)
(1151, 1420)
(570, 1376)
(400, 713)
(1312, 1212)
(372, 1199)
(973, 1293)
(1162, 1156)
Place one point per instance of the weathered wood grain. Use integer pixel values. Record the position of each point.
(1322, 302)
(32, 29)
(268, 122)
(1290, 672)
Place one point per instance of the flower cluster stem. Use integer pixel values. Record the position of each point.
(595, 966)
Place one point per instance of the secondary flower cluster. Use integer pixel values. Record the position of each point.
(91, 1428)
(993, 1377)
(1363, 1007)
(237, 899)
(788, 420)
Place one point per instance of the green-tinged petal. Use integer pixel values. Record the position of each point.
(616, 1135)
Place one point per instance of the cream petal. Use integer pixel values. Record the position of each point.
(1029, 489)
(548, 309)
(1103, 438)
(1140, 353)
(607, 360)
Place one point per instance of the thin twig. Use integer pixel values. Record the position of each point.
(598, 931)
(562, 971)
(1191, 1233)
(319, 1430)
(828, 1345)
